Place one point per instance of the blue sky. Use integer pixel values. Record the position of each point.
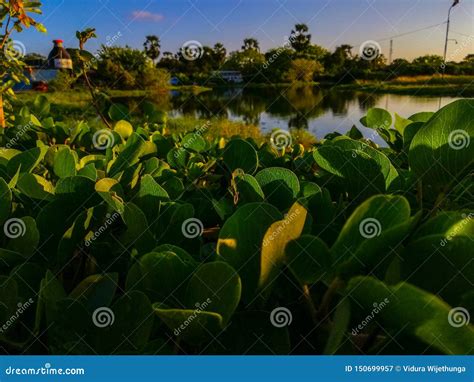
(331, 22)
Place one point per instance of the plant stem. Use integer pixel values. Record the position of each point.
(335, 285)
(309, 300)
(94, 99)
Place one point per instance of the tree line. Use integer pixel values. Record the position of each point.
(298, 59)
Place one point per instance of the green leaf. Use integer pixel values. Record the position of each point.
(369, 234)
(117, 112)
(35, 187)
(192, 326)
(161, 275)
(442, 151)
(129, 156)
(377, 118)
(41, 105)
(149, 196)
(280, 186)
(138, 234)
(247, 188)
(240, 154)
(415, 311)
(65, 163)
(423, 116)
(219, 285)
(354, 170)
(275, 240)
(340, 324)
(111, 191)
(96, 290)
(28, 240)
(240, 242)
(309, 259)
(26, 161)
(5, 201)
(194, 142)
(440, 265)
(401, 123)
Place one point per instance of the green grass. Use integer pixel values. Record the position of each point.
(456, 86)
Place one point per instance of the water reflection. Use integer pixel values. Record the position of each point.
(318, 109)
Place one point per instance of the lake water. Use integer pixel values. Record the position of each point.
(321, 111)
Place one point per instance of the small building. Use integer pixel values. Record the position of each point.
(41, 72)
(233, 76)
(59, 58)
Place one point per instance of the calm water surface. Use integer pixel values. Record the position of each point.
(321, 111)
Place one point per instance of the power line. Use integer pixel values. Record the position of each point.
(414, 31)
(462, 34)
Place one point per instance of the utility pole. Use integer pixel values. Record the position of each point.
(456, 2)
(390, 52)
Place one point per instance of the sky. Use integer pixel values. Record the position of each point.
(331, 23)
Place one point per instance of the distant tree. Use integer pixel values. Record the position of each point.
(400, 67)
(152, 47)
(34, 59)
(469, 58)
(220, 54)
(428, 64)
(249, 62)
(125, 68)
(340, 60)
(303, 70)
(278, 62)
(251, 44)
(300, 39)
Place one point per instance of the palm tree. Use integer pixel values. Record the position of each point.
(300, 38)
(251, 44)
(152, 47)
